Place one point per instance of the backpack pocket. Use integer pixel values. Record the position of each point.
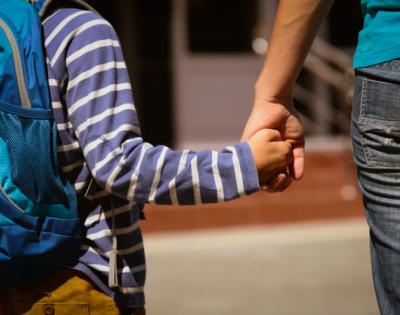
(31, 247)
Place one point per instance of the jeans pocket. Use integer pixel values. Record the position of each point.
(380, 141)
(379, 122)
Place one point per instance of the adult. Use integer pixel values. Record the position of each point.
(375, 119)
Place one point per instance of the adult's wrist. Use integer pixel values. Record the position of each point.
(275, 103)
(264, 93)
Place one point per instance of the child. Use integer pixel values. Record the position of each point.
(103, 155)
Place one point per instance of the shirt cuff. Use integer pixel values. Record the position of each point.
(248, 167)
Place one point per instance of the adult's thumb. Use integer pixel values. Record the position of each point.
(298, 164)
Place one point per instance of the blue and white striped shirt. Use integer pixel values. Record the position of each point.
(102, 153)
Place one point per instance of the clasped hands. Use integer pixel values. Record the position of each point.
(275, 135)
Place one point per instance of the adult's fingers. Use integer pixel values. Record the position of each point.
(297, 167)
(278, 183)
(255, 122)
(284, 185)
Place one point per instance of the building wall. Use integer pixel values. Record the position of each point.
(213, 91)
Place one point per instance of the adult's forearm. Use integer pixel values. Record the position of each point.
(295, 27)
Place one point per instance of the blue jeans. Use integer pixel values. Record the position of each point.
(376, 143)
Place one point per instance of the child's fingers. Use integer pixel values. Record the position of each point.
(269, 135)
(274, 156)
(283, 152)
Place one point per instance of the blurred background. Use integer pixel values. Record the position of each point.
(193, 65)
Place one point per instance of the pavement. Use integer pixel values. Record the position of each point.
(317, 268)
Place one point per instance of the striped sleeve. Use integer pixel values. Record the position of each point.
(103, 117)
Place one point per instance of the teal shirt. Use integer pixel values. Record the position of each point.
(379, 40)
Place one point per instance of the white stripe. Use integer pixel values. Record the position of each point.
(109, 112)
(130, 250)
(68, 147)
(126, 269)
(97, 69)
(172, 183)
(98, 267)
(238, 171)
(195, 181)
(107, 214)
(135, 269)
(56, 105)
(64, 126)
(156, 180)
(172, 192)
(134, 178)
(109, 136)
(60, 26)
(75, 32)
(182, 161)
(93, 46)
(126, 290)
(70, 167)
(114, 174)
(53, 82)
(80, 185)
(50, 17)
(105, 268)
(112, 155)
(98, 93)
(99, 194)
(96, 251)
(108, 232)
(217, 177)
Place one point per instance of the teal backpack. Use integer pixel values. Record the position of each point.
(39, 222)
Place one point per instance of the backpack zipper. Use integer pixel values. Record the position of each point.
(19, 68)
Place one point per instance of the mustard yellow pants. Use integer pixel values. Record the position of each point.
(65, 292)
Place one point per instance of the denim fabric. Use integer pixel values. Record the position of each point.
(376, 143)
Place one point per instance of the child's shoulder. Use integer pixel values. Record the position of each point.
(73, 18)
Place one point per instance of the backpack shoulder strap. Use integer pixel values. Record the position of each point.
(51, 5)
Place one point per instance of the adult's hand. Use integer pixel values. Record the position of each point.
(296, 24)
(282, 116)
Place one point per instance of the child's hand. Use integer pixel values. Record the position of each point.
(271, 154)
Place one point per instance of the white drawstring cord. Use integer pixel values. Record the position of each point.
(113, 266)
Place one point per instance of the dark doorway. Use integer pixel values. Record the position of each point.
(222, 26)
(144, 30)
